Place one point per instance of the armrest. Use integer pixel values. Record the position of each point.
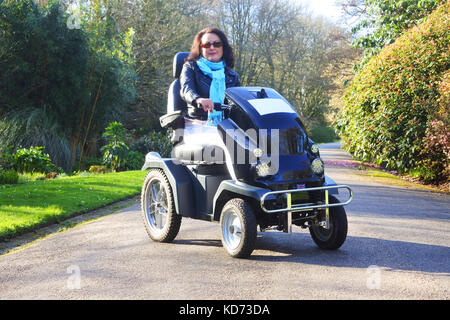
(171, 119)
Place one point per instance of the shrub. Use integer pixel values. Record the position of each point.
(97, 169)
(7, 159)
(155, 141)
(435, 156)
(390, 105)
(84, 163)
(135, 160)
(9, 177)
(434, 163)
(33, 160)
(322, 134)
(116, 149)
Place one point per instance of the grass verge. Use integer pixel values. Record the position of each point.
(23, 241)
(26, 207)
(387, 178)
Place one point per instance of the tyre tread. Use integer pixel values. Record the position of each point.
(337, 238)
(174, 219)
(246, 248)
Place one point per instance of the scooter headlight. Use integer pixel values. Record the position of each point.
(262, 169)
(317, 166)
(315, 149)
(257, 152)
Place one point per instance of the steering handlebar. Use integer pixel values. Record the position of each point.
(221, 107)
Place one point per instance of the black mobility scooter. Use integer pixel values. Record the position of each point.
(256, 167)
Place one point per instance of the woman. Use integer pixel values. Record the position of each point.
(207, 72)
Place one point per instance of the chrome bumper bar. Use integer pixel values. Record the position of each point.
(306, 206)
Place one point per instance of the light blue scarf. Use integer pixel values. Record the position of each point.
(216, 71)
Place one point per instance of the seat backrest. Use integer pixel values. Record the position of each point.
(174, 100)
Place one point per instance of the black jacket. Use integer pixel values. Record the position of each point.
(195, 84)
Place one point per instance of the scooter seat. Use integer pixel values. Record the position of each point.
(199, 154)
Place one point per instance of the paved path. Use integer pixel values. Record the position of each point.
(397, 248)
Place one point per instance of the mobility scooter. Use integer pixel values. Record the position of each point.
(256, 167)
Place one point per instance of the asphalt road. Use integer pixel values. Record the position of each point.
(397, 248)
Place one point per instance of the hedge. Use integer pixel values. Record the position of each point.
(398, 103)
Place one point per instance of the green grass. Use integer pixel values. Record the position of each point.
(387, 178)
(24, 207)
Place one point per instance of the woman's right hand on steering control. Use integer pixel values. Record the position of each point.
(207, 104)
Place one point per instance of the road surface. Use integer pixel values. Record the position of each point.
(397, 248)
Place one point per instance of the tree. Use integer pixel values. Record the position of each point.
(111, 79)
(162, 28)
(278, 44)
(385, 20)
(60, 85)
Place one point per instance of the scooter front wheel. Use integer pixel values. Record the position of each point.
(334, 237)
(238, 225)
(161, 221)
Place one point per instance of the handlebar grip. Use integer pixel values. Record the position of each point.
(218, 107)
(221, 107)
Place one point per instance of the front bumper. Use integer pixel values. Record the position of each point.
(290, 207)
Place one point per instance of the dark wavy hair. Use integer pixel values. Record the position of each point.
(228, 55)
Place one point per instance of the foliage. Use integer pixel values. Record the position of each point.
(162, 28)
(278, 44)
(60, 85)
(393, 99)
(27, 160)
(7, 158)
(155, 141)
(97, 169)
(118, 155)
(116, 149)
(434, 163)
(385, 20)
(69, 69)
(435, 155)
(40, 62)
(135, 160)
(87, 162)
(323, 134)
(9, 177)
(33, 160)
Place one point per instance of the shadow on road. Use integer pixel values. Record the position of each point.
(357, 252)
(200, 242)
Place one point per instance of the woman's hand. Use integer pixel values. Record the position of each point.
(207, 104)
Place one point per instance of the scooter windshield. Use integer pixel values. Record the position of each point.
(291, 141)
(267, 113)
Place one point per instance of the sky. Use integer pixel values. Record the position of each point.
(326, 8)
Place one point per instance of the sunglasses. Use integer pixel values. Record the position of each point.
(215, 44)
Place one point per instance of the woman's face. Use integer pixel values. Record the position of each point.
(212, 53)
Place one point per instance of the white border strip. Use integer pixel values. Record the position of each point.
(269, 106)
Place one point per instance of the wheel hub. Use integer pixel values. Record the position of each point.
(157, 205)
(232, 229)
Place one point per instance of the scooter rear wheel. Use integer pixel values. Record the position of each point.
(238, 225)
(161, 221)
